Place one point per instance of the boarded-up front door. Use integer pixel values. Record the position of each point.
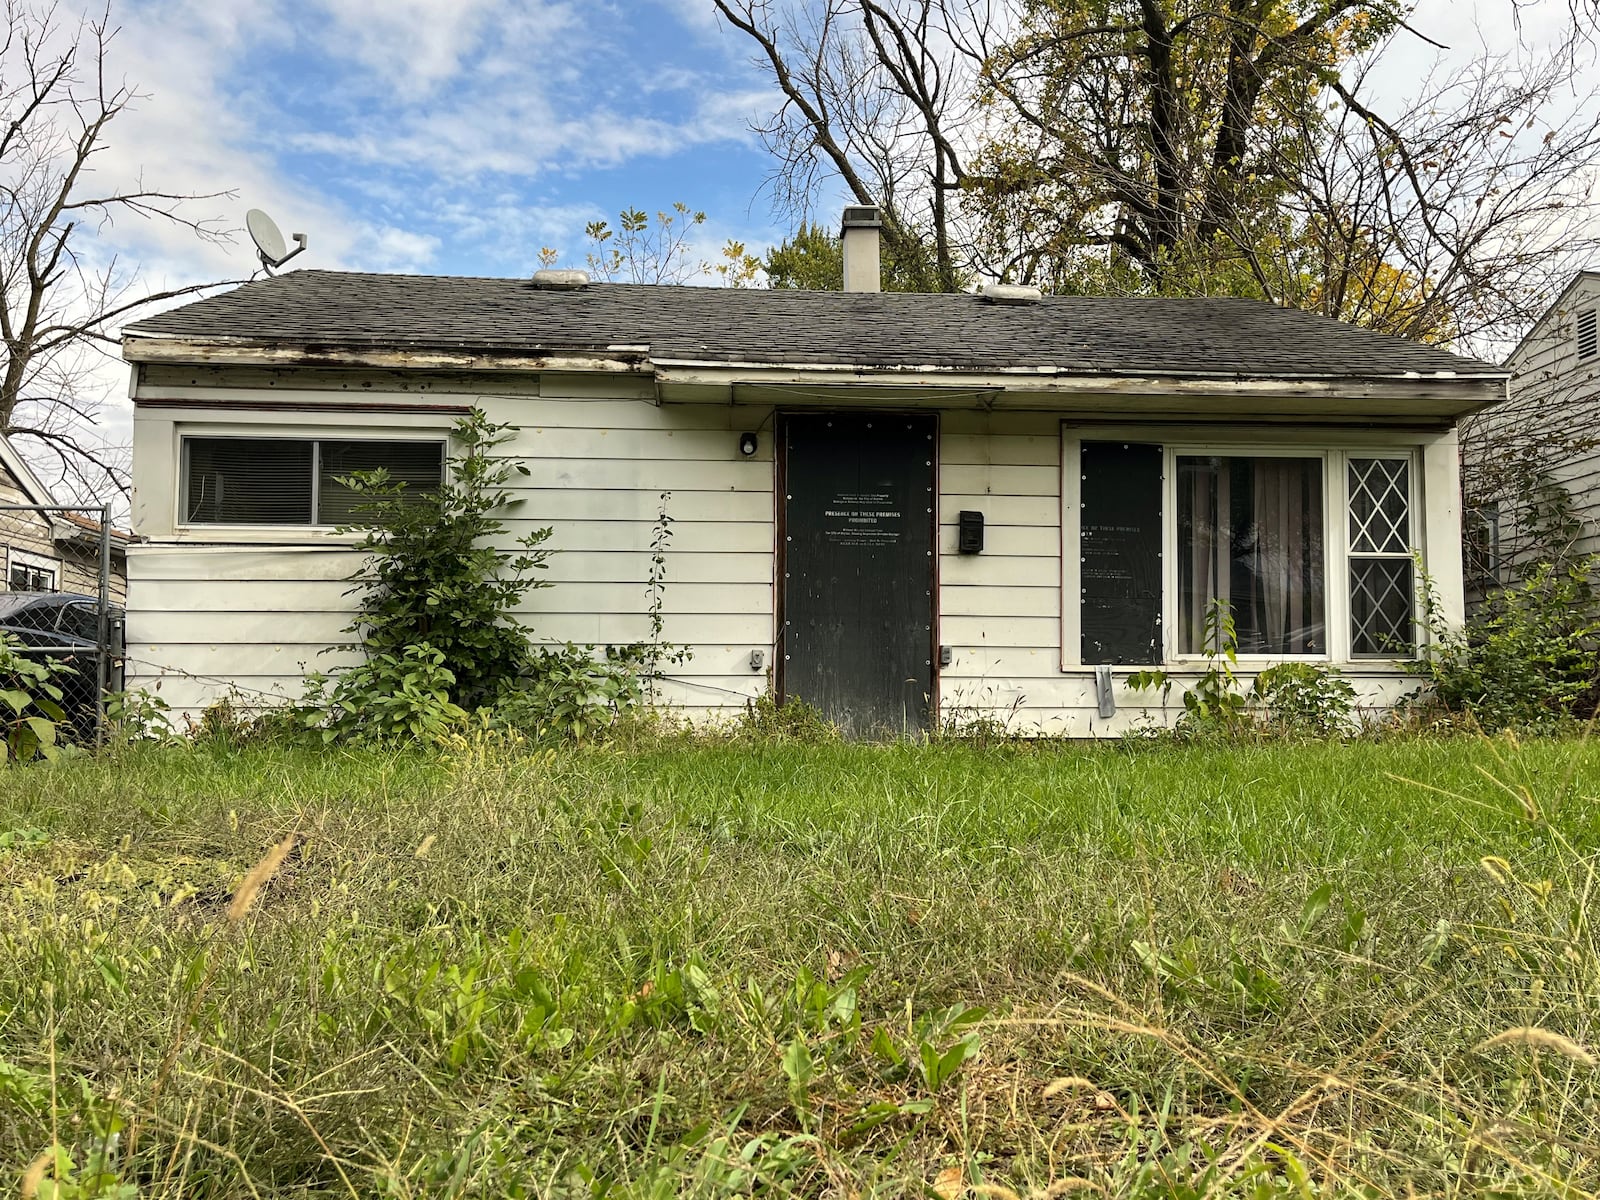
(858, 499)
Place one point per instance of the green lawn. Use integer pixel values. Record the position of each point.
(819, 970)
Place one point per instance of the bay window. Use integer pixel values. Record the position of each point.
(1310, 549)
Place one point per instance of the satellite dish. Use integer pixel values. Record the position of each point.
(269, 241)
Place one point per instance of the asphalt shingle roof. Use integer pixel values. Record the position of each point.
(1089, 335)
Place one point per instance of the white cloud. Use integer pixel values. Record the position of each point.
(426, 102)
(698, 15)
(414, 45)
(399, 137)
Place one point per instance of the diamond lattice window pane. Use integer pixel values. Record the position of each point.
(1382, 608)
(1380, 490)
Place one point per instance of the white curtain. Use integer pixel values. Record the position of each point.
(1206, 500)
(1263, 560)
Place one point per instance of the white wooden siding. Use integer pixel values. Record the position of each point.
(255, 608)
(227, 606)
(77, 564)
(1551, 393)
(1000, 611)
(28, 532)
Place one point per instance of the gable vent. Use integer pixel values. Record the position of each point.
(1588, 334)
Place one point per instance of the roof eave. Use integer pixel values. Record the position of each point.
(1465, 392)
(17, 467)
(1553, 308)
(1460, 393)
(140, 347)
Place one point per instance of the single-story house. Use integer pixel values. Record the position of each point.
(905, 509)
(1548, 431)
(55, 551)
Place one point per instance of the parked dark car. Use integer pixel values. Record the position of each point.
(65, 626)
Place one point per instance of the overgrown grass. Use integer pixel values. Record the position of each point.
(827, 970)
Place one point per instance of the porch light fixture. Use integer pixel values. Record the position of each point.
(747, 444)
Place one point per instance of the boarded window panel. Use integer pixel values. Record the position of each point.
(417, 465)
(248, 481)
(1120, 552)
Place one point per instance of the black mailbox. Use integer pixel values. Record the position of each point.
(969, 540)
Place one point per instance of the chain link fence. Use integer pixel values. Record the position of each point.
(60, 600)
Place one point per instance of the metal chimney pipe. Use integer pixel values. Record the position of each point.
(859, 234)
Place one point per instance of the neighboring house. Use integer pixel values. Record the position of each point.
(50, 551)
(1550, 428)
(902, 508)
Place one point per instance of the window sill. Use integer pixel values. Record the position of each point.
(1184, 668)
(257, 535)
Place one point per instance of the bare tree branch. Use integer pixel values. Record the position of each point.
(57, 306)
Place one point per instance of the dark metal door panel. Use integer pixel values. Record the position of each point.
(858, 568)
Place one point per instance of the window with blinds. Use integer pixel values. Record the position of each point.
(417, 465)
(295, 481)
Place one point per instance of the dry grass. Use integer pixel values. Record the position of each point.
(258, 877)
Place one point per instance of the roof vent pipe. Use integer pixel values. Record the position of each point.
(554, 279)
(859, 234)
(1011, 293)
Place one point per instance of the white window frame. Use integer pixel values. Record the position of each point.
(315, 435)
(1169, 546)
(1333, 447)
(1486, 518)
(1413, 548)
(39, 562)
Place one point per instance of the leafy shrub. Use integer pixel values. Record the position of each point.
(434, 574)
(766, 718)
(569, 692)
(1302, 699)
(1293, 699)
(437, 622)
(390, 697)
(1215, 703)
(30, 704)
(1530, 660)
(139, 715)
(231, 721)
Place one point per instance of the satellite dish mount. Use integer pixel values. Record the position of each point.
(264, 232)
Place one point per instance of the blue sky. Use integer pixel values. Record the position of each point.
(452, 136)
